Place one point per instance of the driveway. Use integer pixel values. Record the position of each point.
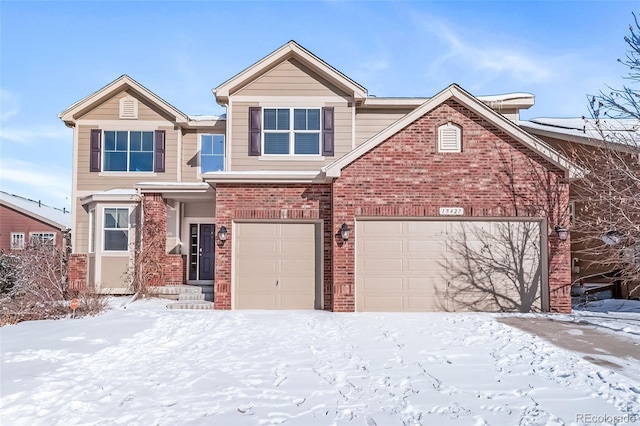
(600, 347)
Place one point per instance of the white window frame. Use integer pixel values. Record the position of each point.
(91, 248)
(104, 152)
(291, 132)
(14, 244)
(42, 236)
(224, 151)
(448, 127)
(105, 229)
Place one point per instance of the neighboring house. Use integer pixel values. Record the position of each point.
(310, 194)
(23, 220)
(580, 138)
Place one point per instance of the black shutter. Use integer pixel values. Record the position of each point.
(327, 132)
(96, 150)
(158, 165)
(255, 131)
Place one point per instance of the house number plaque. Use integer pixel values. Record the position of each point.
(451, 211)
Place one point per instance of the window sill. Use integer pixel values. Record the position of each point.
(291, 158)
(128, 174)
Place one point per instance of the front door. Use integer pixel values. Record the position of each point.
(201, 251)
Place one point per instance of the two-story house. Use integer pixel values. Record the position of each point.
(311, 194)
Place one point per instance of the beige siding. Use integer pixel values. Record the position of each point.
(81, 228)
(200, 210)
(91, 270)
(370, 122)
(241, 161)
(113, 274)
(110, 109)
(290, 78)
(94, 181)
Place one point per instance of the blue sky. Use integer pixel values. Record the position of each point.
(55, 53)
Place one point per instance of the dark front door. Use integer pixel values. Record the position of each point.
(201, 251)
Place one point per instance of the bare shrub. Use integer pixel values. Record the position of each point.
(39, 288)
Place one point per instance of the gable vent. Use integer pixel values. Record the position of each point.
(449, 138)
(128, 108)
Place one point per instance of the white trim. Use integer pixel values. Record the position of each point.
(74, 191)
(271, 101)
(229, 130)
(42, 235)
(128, 174)
(291, 131)
(353, 127)
(91, 238)
(104, 228)
(291, 157)
(265, 176)
(178, 156)
(129, 124)
(199, 152)
(17, 246)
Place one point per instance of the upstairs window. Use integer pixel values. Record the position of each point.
(449, 138)
(127, 151)
(17, 240)
(211, 153)
(291, 131)
(116, 229)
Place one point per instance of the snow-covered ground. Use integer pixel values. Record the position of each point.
(145, 365)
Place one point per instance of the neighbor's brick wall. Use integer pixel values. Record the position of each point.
(263, 201)
(77, 272)
(14, 221)
(494, 176)
(154, 222)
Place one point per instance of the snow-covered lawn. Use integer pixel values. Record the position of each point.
(145, 365)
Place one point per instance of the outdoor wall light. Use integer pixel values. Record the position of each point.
(222, 234)
(344, 232)
(562, 232)
(612, 238)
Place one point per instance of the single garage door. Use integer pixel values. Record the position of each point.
(419, 265)
(276, 265)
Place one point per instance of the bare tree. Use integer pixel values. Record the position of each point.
(606, 229)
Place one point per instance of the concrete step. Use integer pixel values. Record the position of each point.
(174, 289)
(190, 304)
(191, 296)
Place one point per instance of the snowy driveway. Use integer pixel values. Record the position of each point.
(146, 365)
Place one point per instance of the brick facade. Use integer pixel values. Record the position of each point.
(162, 268)
(494, 176)
(77, 272)
(262, 201)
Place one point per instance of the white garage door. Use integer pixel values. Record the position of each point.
(276, 266)
(418, 265)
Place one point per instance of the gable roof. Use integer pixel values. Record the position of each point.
(71, 114)
(287, 51)
(58, 218)
(472, 103)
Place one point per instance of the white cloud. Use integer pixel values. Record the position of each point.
(51, 184)
(9, 104)
(36, 133)
(495, 61)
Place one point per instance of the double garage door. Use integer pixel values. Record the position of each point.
(400, 265)
(418, 265)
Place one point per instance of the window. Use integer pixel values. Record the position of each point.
(92, 230)
(449, 138)
(17, 240)
(116, 229)
(126, 151)
(42, 237)
(211, 153)
(291, 131)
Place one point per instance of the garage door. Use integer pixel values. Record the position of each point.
(408, 265)
(276, 266)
